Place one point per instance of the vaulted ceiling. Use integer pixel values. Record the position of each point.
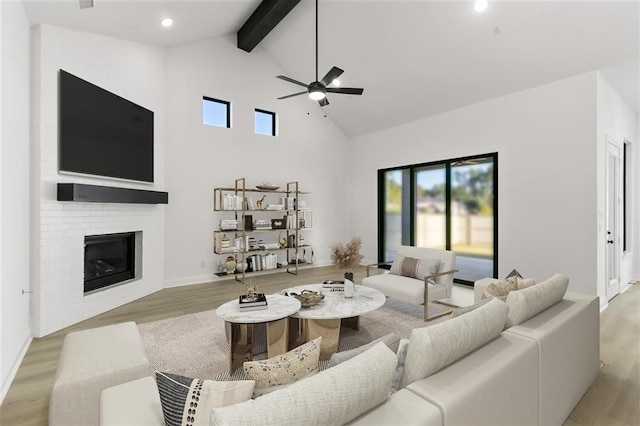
(414, 58)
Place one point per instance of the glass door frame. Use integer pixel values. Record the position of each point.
(409, 214)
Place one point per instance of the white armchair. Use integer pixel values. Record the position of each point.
(433, 287)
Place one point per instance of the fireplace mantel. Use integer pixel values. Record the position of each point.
(109, 194)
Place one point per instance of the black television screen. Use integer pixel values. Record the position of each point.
(102, 133)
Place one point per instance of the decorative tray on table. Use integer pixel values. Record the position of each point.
(307, 298)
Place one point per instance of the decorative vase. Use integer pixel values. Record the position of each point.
(224, 242)
(230, 265)
(349, 285)
(241, 266)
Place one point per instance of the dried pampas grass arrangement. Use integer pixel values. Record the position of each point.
(347, 256)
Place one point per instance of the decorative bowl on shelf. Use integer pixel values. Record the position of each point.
(264, 187)
(267, 186)
(308, 298)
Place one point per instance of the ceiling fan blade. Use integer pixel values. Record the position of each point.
(295, 94)
(333, 73)
(290, 80)
(323, 102)
(345, 90)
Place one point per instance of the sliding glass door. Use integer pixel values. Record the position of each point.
(431, 207)
(443, 205)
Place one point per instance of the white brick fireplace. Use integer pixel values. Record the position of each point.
(63, 227)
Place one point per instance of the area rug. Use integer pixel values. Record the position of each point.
(195, 345)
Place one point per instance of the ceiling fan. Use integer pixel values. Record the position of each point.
(318, 89)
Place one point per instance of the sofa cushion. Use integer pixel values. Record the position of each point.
(414, 268)
(390, 339)
(496, 384)
(465, 309)
(133, 403)
(528, 302)
(433, 348)
(331, 397)
(284, 369)
(189, 401)
(401, 354)
(525, 283)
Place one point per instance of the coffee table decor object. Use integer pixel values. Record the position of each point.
(347, 257)
(332, 285)
(259, 301)
(253, 299)
(307, 298)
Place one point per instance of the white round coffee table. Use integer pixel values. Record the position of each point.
(240, 327)
(325, 318)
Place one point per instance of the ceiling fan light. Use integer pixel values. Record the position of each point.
(317, 95)
(480, 5)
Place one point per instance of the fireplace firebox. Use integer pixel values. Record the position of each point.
(108, 260)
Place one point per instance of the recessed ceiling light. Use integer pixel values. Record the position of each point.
(335, 83)
(480, 5)
(166, 22)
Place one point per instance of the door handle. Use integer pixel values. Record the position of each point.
(610, 241)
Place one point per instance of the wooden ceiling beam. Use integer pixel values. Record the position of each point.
(267, 15)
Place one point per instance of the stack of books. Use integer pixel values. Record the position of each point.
(228, 224)
(262, 224)
(331, 285)
(260, 262)
(252, 304)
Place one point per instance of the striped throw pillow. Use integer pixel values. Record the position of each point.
(187, 401)
(414, 268)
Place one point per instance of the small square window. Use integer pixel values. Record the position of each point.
(265, 122)
(216, 112)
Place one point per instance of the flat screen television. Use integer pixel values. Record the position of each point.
(103, 134)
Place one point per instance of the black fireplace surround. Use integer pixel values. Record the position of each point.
(108, 259)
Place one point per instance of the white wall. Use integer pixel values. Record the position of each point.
(545, 138)
(616, 123)
(134, 71)
(309, 149)
(15, 331)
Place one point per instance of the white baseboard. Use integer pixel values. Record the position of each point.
(213, 278)
(190, 281)
(14, 368)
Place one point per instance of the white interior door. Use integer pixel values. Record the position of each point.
(612, 220)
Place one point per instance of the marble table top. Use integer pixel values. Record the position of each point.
(278, 307)
(335, 305)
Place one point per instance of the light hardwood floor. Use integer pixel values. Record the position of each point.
(612, 400)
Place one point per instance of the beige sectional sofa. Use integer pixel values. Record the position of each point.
(534, 373)
(471, 369)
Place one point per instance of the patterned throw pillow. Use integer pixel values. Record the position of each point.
(414, 268)
(514, 273)
(501, 289)
(284, 369)
(187, 401)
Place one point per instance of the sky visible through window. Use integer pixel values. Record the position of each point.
(264, 123)
(215, 113)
